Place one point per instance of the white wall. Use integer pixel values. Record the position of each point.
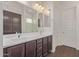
(57, 25)
(58, 7)
(1, 30)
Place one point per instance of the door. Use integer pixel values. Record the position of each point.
(69, 26)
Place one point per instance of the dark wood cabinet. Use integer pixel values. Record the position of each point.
(31, 49)
(39, 47)
(11, 22)
(35, 48)
(15, 51)
(49, 44)
(44, 46)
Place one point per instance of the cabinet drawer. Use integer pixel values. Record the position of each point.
(39, 52)
(45, 40)
(39, 48)
(39, 45)
(39, 41)
(31, 43)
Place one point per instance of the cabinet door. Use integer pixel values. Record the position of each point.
(16, 51)
(31, 49)
(39, 48)
(49, 40)
(45, 49)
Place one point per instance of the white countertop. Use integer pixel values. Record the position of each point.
(10, 40)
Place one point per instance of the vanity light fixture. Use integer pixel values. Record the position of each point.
(40, 6)
(36, 4)
(47, 11)
(41, 9)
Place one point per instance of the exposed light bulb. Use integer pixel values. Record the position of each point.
(42, 8)
(47, 11)
(36, 4)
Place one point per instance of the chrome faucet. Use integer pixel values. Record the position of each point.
(19, 35)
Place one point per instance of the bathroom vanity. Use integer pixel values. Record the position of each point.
(33, 48)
